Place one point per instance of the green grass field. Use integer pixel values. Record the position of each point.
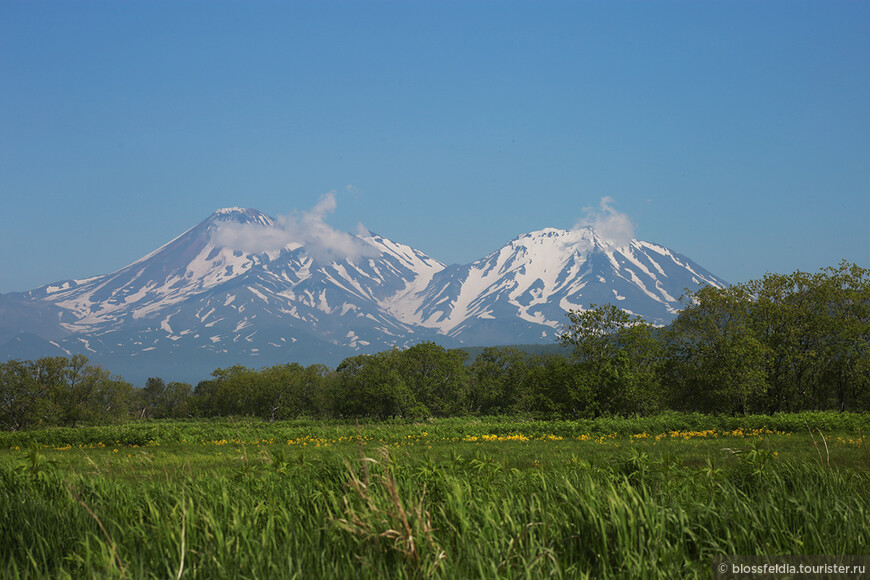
(455, 498)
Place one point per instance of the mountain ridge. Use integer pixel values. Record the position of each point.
(244, 287)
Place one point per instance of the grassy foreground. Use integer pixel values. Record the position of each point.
(471, 498)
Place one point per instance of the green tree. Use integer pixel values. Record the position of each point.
(204, 402)
(372, 386)
(436, 377)
(617, 356)
(23, 396)
(231, 391)
(84, 392)
(817, 327)
(846, 350)
(788, 317)
(552, 389)
(160, 401)
(152, 396)
(498, 380)
(291, 390)
(715, 361)
(112, 400)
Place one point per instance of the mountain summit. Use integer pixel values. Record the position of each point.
(524, 289)
(245, 288)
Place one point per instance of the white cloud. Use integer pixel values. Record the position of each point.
(362, 231)
(300, 228)
(614, 226)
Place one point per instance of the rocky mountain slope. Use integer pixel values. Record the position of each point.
(237, 289)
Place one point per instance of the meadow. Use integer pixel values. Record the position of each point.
(501, 497)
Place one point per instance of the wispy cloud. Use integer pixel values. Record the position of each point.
(614, 226)
(300, 228)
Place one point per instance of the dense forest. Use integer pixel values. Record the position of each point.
(782, 343)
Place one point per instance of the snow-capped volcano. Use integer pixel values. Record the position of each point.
(245, 288)
(526, 286)
(188, 265)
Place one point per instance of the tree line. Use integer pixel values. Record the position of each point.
(781, 343)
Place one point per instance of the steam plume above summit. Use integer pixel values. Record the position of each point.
(614, 226)
(306, 229)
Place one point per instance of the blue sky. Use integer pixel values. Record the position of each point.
(737, 133)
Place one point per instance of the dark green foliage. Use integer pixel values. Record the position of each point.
(371, 386)
(782, 343)
(61, 391)
(436, 377)
(498, 381)
(817, 327)
(557, 388)
(279, 392)
(162, 401)
(617, 358)
(529, 349)
(715, 361)
(424, 380)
